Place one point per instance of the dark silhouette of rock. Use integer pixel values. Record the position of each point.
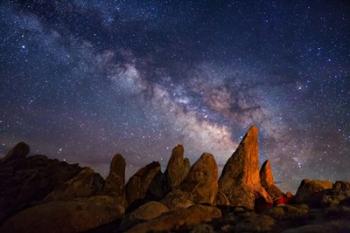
(268, 182)
(28, 180)
(178, 167)
(87, 183)
(138, 185)
(115, 181)
(178, 218)
(240, 179)
(76, 215)
(310, 191)
(19, 151)
(158, 187)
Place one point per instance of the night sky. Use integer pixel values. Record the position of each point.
(81, 80)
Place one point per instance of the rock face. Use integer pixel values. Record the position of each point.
(25, 181)
(268, 182)
(178, 167)
(178, 218)
(201, 181)
(115, 180)
(240, 179)
(138, 185)
(87, 183)
(310, 190)
(76, 215)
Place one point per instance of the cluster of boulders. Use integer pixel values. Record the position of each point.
(38, 194)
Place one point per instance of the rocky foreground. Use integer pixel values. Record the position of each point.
(40, 195)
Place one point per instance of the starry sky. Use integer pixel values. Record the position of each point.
(81, 80)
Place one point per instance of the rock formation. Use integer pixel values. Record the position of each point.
(201, 181)
(240, 179)
(25, 181)
(310, 190)
(87, 183)
(200, 185)
(39, 195)
(75, 215)
(138, 185)
(268, 182)
(115, 181)
(178, 167)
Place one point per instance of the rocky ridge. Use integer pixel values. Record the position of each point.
(38, 193)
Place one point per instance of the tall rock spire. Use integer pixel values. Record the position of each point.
(240, 179)
(178, 167)
(268, 182)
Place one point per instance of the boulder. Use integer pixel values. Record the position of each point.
(201, 181)
(335, 196)
(145, 212)
(178, 167)
(268, 182)
(115, 181)
(178, 218)
(19, 151)
(178, 199)
(138, 185)
(240, 179)
(310, 191)
(72, 216)
(87, 183)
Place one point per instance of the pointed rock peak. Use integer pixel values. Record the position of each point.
(178, 151)
(243, 165)
(19, 151)
(268, 182)
(253, 131)
(266, 175)
(177, 167)
(240, 178)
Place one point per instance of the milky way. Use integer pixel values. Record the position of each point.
(82, 80)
